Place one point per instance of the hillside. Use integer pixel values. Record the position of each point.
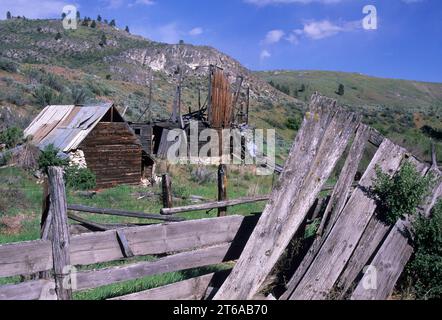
(407, 111)
(41, 63)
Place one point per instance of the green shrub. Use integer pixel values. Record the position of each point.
(293, 123)
(425, 268)
(49, 158)
(80, 178)
(8, 65)
(11, 137)
(402, 194)
(44, 96)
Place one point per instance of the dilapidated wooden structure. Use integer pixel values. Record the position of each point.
(97, 134)
(221, 109)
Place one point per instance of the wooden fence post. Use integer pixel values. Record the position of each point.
(167, 191)
(222, 188)
(60, 234)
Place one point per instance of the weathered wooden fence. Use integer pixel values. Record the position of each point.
(186, 245)
(350, 237)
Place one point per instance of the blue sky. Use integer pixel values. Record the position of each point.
(283, 34)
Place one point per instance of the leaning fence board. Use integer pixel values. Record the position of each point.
(122, 213)
(371, 239)
(393, 255)
(335, 205)
(60, 233)
(324, 135)
(339, 245)
(191, 289)
(30, 290)
(25, 258)
(181, 261)
(93, 248)
(213, 205)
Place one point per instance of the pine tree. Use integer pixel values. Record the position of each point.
(78, 15)
(99, 18)
(8, 15)
(127, 29)
(341, 90)
(93, 24)
(58, 36)
(112, 23)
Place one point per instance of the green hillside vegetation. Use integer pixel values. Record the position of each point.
(409, 112)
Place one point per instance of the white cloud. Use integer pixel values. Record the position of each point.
(42, 9)
(264, 55)
(262, 3)
(273, 36)
(317, 30)
(144, 2)
(114, 4)
(196, 31)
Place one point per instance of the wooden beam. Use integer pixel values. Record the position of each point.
(124, 244)
(191, 289)
(30, 290)
(167, 191)
(181, 261)
(60, 234)
(331, 259)
(222, 189)
(90, 224)
(334, 207)
(25, 258)
(123, 213)
(214, 205)
(305, 174)
(90, 248)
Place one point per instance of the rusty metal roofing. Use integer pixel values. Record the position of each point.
(65, 126)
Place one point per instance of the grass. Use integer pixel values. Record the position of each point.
(242, 183)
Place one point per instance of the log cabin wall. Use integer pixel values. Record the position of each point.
(113, 153)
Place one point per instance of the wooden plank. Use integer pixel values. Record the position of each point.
(343, 238)
(335, 205)
(25, 258)
(90, 224)
(370, 241)
(181, 261)
(395, 252)
(30, 290)
(124, 244)
(342, 189)
(222, 187)
(122, 213)
(213, 205)
(60, 233)
(167, 191)
(191, 289)
(324, 135)
(100, 247)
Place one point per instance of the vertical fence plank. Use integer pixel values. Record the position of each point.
(167, 191)
(222, 188)
(60, 233)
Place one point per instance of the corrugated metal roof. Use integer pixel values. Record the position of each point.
(65, 126)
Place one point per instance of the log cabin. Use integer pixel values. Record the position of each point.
(93, 136)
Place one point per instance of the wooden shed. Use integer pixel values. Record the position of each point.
(98, 134)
